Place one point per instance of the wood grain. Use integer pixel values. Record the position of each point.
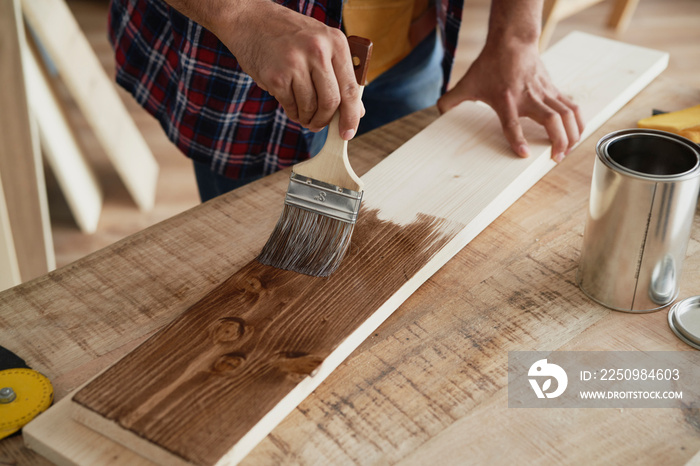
(256, 337)
(345, 414)
(424, 369)
(122, 316)
(20, 159)
(133, 316)
(470, 179)
(413, 392)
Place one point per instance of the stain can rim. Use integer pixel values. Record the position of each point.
(606, 141)
(675, 321)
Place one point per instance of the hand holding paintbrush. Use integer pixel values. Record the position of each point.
(323, 200)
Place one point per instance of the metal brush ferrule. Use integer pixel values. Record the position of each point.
(325, 198)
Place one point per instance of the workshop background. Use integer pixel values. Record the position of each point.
(668, 25)
(431, 382)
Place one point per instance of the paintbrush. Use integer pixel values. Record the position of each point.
(323, 199)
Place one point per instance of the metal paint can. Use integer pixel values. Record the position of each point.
(644, 194)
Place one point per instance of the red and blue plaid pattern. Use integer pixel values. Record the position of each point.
(188, 80)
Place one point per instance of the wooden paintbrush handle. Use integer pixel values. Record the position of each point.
(361, 51)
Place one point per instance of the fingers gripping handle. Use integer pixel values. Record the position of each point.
(331, 164)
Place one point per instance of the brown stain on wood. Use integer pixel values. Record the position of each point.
(228, 329)
(203, 382)
(229, 362)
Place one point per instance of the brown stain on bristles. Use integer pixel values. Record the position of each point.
(307, 242)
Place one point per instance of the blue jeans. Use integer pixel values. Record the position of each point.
(211, 184)
(411, 85)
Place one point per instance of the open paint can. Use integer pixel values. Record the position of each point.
(644, 194)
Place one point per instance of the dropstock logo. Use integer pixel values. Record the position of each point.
(546, 372)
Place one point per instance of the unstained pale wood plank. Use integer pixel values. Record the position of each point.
(61, 148)
(621, 15)
(9, 268)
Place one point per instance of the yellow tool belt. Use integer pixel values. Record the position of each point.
(394, 26)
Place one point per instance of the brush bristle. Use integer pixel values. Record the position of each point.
(307, 242)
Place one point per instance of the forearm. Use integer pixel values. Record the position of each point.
(515, 21)
(302, 62)
(222, 17)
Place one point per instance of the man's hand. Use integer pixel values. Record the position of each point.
(303, 63)
(510, 77)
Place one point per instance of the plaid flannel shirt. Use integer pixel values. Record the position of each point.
(214, 113)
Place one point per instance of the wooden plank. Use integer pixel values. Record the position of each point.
(100, 292)
(74, 175)
(564, 8)
(427, 367)
(415, 218)
(554, 11)
(9, 268)
(694, 461)
(96, 97)
(20, 159)
(621, 14)
(430, 385)
(53, 430)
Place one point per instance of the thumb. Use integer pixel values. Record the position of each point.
(455, 96)
(448, 100)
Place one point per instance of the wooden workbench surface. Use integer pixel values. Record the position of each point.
(430, 385)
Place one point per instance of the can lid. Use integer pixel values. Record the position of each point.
(684, 320)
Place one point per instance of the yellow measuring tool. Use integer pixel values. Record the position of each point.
(24, 393)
